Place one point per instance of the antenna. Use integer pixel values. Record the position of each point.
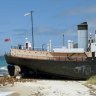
(32, 30)
(63, 39)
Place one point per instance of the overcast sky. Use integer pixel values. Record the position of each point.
(51, 18)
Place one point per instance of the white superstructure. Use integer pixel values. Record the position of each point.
(93, 47)
(28, 44)
(49, 46)
(69, 50)
(82, 42)
(70, 43)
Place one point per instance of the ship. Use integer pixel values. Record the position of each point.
(68, 62)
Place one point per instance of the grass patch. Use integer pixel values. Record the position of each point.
(92, 80)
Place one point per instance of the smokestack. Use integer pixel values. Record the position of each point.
(83, 35)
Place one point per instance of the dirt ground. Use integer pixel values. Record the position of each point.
(47, 88)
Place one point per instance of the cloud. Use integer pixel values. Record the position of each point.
(45, 31)
(92, 25)
(54, 31)
(4, 23)
(78, 11)
(82, 11)
(19, 32)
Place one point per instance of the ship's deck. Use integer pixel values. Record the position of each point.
(45, 55)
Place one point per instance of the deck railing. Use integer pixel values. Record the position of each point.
(23, 48)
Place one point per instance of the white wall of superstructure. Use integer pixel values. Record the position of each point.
(70, 43)
(83, 39)
(93, 47)
(95, 35)
(69, 50)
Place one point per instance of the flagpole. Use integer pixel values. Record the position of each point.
(30, 13)
(32, 30)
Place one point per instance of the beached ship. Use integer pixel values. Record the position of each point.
(70, 62)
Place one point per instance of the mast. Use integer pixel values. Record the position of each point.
(30, 13)
(32, 30)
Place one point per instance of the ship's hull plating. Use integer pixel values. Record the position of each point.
(70, 69)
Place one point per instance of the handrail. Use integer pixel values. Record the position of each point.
(23, 48)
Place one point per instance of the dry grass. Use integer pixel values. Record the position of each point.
(11, 80)
(6, 80)
(92, 80)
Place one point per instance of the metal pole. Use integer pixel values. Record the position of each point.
(63, 39)
(32, 30)
(43, 46)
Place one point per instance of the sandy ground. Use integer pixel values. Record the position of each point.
(48, 88)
